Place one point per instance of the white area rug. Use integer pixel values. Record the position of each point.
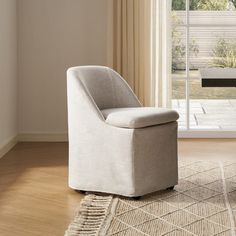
(203, 203)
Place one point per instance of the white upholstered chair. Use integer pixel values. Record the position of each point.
(116, 145)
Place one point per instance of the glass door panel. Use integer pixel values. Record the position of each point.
(204, 40)
(213, 108)
(179, 74)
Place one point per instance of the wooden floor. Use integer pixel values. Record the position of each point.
(35, 198)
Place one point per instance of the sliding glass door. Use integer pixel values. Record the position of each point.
(204, 66)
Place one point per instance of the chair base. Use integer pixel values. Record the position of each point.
(129, 161)
(134, 198)
(171, 188)
(84, 192)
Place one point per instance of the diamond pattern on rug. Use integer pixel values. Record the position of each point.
(135, 217)
(185, 163)
(117, 227)
(218, 200)
(203, 209)
(205, 228)
(200, 193)
(162, 195)
(159, 208)
(233, 179)
(127, 232)
(234, 215)
(185, 172)
(203, 166)
(183, 185)
(201, 179)
(230, 170)
(216, 186)
(122, 207)
(221, 218)
(216, 173)
(232, 199)
(179, 232)
(161, 227)
(197, 206)
(230, 185)
(225, 233)
(181, 218)
(180, 201)
(135, 204)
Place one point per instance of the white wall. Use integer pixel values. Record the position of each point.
(54, 35)
(8, 71)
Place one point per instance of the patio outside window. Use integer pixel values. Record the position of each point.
(203, 37)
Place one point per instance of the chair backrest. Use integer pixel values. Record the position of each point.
(107, 88)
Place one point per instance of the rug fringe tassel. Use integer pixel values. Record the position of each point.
(90, 217)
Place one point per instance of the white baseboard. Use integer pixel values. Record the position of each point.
(207, 134)
(36, 137)
(43, 137)
(7, 146)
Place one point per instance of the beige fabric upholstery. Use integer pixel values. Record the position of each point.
(118, 160)
(107, 88)
(139, 117)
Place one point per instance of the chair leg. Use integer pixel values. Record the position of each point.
(136, 198)
(80, 191)
(171, 188)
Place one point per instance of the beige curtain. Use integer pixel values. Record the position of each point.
(162, 53)
(132, 45)
(141, 48)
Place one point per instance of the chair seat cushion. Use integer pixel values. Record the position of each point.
(139, 117)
